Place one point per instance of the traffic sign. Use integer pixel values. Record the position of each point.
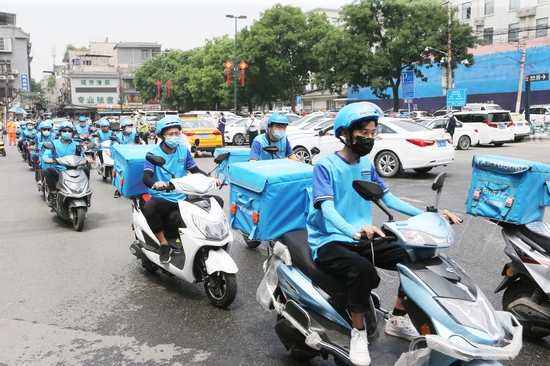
(408, 101)
(25, 83)
(407, 84)
(456, 97)
(537, 77)
(298, 100)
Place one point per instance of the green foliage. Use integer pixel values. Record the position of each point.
(36, 87)
(382, 39)
(51, 81)
(71, 47)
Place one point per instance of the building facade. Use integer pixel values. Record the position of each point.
(15, 47)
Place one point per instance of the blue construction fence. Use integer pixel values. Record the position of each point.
(492, 78)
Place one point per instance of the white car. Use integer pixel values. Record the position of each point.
(300, 122)
(312, 127)
(521, 127)
(494, 126)
(235, 133)
(463, 137)
(539, 114)
(399, 145)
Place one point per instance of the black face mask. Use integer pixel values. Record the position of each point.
(362, 146)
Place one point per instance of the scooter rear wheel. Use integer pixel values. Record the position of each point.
(251, 243)
(293, 340)
(221, 288)
(516, 291)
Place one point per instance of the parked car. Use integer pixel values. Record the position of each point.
(539, 114)
(235, 133)
(443, 112)
(302, 121)
(312, 127)
(209, 136)
(481, 107)
(521, 127)
(494, 127)
(399, 145)
(464, 135)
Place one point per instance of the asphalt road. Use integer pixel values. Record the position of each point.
(81, 298)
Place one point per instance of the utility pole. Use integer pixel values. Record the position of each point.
(518, 100)
(449, 58)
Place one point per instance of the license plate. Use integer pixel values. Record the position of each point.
(441, 143)
(204, 136)
(501, 127)
(520, 124)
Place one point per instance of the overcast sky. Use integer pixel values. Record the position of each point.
(181, 24)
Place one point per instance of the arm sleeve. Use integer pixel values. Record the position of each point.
(332, 216)
(190, 162)
(148, 178)
(399, 205)
(255, 151)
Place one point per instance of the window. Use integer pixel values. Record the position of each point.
(488, 35)
(542, 1)
(466, 11)
(542, 27)
(144, 54)
(489, 7)
(381, 128)
(5, 67)
(335, 22)
(77, 61)
(514, 4)
(5, 44)
(513, 32)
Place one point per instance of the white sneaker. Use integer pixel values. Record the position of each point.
(401, 326)
(359, 348)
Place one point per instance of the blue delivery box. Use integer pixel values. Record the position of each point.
(128, 168)
(270, 197)
(235, 156)
(510, 190)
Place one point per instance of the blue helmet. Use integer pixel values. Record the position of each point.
(278, 118)
(126, 122)
(356, 112)
(46, 124)
(168, 122)
(82, 119)
(66, 125)
(104, 123)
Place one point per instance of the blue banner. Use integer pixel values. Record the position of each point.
(25, 83)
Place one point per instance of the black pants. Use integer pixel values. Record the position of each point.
(36, 166)
(157, 209)
(223, 137)
(52, 175)
(251, 136)
(355, 262)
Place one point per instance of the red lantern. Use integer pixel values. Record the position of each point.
(158, 84)
(168, 84)
(228, 65)
(242, 66)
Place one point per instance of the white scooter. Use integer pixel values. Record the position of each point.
(199, 236)
(105, 169)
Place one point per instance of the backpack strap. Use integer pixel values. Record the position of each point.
(508, 204)
(476, 196)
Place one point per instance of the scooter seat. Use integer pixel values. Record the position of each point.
(538, 232)
(300, 251)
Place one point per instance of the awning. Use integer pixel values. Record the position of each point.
(110, 112)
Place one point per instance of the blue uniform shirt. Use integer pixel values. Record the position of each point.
(257, 152)
(104, 137)
(125, 140)
(41, 150)
(178, 163)
(26, 133)
(61, 150)
(82, 130)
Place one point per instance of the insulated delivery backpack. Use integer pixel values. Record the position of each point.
(510, 190)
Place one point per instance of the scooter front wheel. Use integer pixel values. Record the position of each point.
(221, 288)
(79, 215)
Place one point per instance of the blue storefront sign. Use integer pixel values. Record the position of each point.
(407, 85)
(25, 83)
(456, 97)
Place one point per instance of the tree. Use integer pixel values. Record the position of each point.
(36, 87)
(71, 47)
(381, 39)
(281, 42)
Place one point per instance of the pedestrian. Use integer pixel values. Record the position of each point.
(221, 127)
(253, 127)
(264, 122)
(451, 124)
(208, 118)
(1, 127)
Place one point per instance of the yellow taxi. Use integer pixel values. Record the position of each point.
(209, 136)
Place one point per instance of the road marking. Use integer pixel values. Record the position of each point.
(28, 342)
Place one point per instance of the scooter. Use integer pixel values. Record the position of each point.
(526, 278)
(2, 149)
(453, 316)
(74, 194)
(199, 236)
(105, 169)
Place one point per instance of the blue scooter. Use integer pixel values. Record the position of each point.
(458, 325)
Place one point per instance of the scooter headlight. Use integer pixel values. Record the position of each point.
(422, 238)
(477, 314)
(218, 230)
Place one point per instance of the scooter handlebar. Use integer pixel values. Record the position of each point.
(378, 239)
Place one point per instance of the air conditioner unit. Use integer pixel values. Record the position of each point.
(11, 77)
(526, 12)
(14, 72)
(2, 77)
(479, 21)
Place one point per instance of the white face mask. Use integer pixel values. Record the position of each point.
(45, 133)
(128, 129)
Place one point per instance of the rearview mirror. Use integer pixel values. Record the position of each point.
(439, 181)
(197, 142)
(95, 135)
(155, 160)
(367, 189)
(271, 149)
(218, 159)
(113, 138)
(48, 145)
(315, 150)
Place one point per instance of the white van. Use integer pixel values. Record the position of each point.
(539, 114)
(494, 127)
(481, 107)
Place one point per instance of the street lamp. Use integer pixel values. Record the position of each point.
(235, 63)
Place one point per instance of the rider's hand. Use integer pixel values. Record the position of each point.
(32, 147)
(90, 161)
(160, 185)
(370, 231)
(49, 161)
(451, 217)
(218, 182)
